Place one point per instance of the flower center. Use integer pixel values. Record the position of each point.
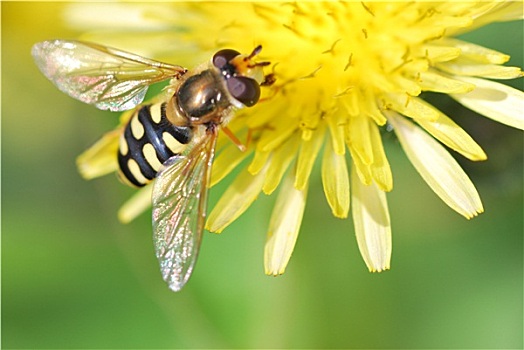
(332, 50)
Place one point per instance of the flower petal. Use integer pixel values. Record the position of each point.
(497, 101)
(99, 159)
(336, 128)
(258, 162)
(437, 53)
(284, 227)
(136, 205)
(371, 109)
(490, 12)
(463, 66)
(274, 136)
(335, 180)
(279, 162)
(358, 138)
(430, 81)
(412, 107)
(235, 201)
(437, 167)
(380, 169)
(361, 169)
(306, 158)
(446, 131)
(476, 52)
(372, 224)
(227, 160)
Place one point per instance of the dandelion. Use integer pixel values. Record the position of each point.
(343, 70)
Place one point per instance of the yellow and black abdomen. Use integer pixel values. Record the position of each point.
(148, 140)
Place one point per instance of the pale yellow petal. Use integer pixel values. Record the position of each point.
(437, 53)
(279, 162)
(437, 167)
(449, 133)
(453, 21)
(412, 107)
(407, 85)
(371, 109)
(432, 81)
(350, 101)
(358, 138)
(272, 138)
(85, 16)
(307, 155)
(235, 201)
(284, 227)
(372, 224)
(136, 205)
(361, 169)
(497, 101)
(259, 161)
(491, 12)
(335, 179)
(380, 169)
(336, 129)
(468, 68)
(100, 159)
(476, 52)
(227, 160)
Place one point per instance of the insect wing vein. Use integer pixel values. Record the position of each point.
(105, 77)
(179, 211)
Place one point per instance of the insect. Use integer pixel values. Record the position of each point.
(172, 141)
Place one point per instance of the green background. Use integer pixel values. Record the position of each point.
(74, 277)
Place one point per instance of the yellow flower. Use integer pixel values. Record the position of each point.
(343, 70)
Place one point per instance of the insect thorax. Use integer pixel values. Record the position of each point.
(203, 98)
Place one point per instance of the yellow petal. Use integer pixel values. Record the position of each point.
(136, 205)
(412, 107)
(284, 227)
(406, 85)
(235, 201)
(100, 159)
(446, 131)
(380, 169)
(372, 224)
(335, 180)
(271, 138)
(453, 21)
(437, 53)
(306, 158)
(371, 109)
(280, 160)
(336, 128)
(258, 162)
(358, 138)
(361, 169)
(227, 160)
(468, 68)
(490, 12)
(497, 101)
(430, 81)
(350, 101)
(437, 167)
(476, 52)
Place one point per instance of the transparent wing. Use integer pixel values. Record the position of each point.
(105, 77)
(179, 211)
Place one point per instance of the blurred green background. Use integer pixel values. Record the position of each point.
(74, 277)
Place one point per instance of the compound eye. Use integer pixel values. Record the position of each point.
(222, 57)
(244, 90)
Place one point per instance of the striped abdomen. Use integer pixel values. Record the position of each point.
(149, 139)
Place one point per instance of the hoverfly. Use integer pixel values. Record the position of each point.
(171, 141)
